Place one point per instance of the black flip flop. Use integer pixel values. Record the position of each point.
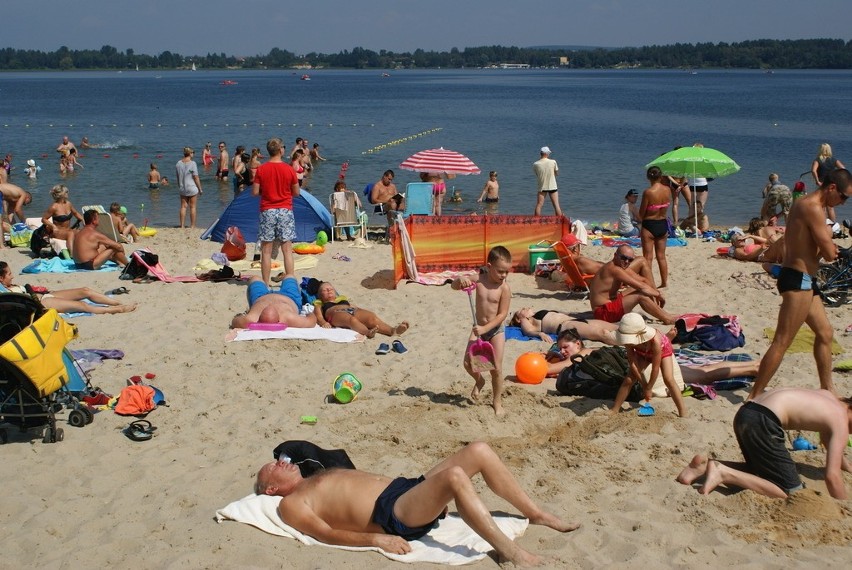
(119, 291)
(139, 430)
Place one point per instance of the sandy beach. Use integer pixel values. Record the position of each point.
(101, 500)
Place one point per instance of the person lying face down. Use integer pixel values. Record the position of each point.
(348, 507)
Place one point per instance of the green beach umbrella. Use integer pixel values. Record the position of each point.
(695, 162)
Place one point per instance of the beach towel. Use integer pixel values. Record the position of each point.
(634, 242)
(440, 277)
(293, 333)
(515, 333)
(300, 263)
(803, 341)
(59, 265)
(687, 357)
(452, 542)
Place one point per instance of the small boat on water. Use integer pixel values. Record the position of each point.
(306, 77)
(227, 82)
(385, 74)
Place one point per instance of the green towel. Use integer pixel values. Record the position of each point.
(844, 365)
(803, 341)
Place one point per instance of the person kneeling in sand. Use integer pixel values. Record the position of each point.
(332, 310)
(759, 426)
(66, 300)
(268, 306)
(348, 507)
(90, 249)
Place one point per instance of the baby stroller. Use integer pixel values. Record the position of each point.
(35, 369)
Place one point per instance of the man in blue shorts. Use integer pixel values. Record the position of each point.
(768, 468)
(807, 240)
(348, 507)
(268, 306)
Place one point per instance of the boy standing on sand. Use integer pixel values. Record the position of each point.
(492, 308)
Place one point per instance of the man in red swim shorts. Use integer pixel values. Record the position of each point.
(610, 303)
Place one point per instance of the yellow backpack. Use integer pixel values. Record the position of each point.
(37, 352)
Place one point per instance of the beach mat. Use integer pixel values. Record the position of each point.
(59, 265)
(294, 333)
(803, 341)
(687, 357)
(440, 277)
(300, 263)
(515, 333)
(452, 542)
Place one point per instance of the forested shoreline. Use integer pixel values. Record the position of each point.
(753, 54)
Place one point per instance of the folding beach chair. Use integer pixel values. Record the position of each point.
(418, 199)
(345, 213)
(156, 269)
(577, 281)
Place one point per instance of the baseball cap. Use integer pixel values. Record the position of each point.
(123, 209)
(545, 150)
(631, 192)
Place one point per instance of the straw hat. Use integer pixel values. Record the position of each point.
(632, 329)
(30, 162)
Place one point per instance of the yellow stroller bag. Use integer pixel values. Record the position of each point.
(37, 352)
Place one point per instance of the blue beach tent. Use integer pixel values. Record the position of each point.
(244, 212)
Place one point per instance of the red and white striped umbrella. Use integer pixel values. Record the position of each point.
(440, 160)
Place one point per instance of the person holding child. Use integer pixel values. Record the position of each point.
(332, 310)
(492, 307)
(645, 345)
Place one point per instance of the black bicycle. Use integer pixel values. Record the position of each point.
(835, 279)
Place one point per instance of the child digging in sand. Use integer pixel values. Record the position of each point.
(333, 310)
(492, 308)
(646, 345)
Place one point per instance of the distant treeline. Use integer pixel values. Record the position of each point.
(781, 54)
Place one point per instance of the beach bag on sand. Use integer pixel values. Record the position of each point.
(234, 246)
(711, 332)
(597, 375)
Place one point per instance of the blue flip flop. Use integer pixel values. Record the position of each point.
(383, 348)
(646, 409)
(399, 347)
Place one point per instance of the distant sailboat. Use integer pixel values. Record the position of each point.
(193, 66)
(137, 67)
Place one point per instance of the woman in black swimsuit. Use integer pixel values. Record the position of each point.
(58, 216)
(332, 310)
(543, 323)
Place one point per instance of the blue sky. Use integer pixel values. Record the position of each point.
(253, 27)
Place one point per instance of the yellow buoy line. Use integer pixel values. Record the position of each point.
(381, 147)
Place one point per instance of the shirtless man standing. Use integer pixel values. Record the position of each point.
(491, 191)
(384, 192)
(759, 426)
(807, 239)
(610, 304)
(348, 507)
(224, 162)
(15, 198)
(65, 146)
(268, 306)
(90, 249)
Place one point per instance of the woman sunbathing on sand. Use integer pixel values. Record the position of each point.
(332, 310)
(761, 249)
(543, 323)
(66, 300)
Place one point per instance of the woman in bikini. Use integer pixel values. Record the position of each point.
(66, 300)
(333, 310)
(298, 163)
(58, 216)
(543, 323)
(655, 230)
(761, 250)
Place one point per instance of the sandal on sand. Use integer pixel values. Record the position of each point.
(119, 291)
(277, 278)
(399, 347)
(139, 430)
(383, 348)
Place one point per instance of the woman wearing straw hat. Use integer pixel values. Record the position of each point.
(645, 345)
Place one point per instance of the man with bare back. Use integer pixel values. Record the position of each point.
(347, 507)
(90, 248)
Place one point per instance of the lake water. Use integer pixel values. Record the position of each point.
(603, 127)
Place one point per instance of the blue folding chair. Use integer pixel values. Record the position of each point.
(418, 199)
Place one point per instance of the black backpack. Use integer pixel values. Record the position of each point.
(597, 375)
(134, 269)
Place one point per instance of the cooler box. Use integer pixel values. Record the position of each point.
(543, 251)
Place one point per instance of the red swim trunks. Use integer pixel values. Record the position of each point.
(612, 311)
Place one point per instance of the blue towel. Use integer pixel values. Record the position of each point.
(59, 265)
(515, 333)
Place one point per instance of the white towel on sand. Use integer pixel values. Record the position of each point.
(293, 333)
(451, 542)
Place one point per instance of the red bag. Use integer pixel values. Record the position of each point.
(234, 247)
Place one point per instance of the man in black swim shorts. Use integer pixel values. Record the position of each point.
(807, 240)
(349, 507)
(768, 468)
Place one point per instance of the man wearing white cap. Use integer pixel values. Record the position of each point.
(546, 171)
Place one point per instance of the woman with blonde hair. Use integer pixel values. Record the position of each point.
(58, 216)
(824, 163)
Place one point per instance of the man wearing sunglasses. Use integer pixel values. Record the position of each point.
(610, 303)
(808, 239)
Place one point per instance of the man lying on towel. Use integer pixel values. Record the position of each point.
(268, 306)
(348, 507)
